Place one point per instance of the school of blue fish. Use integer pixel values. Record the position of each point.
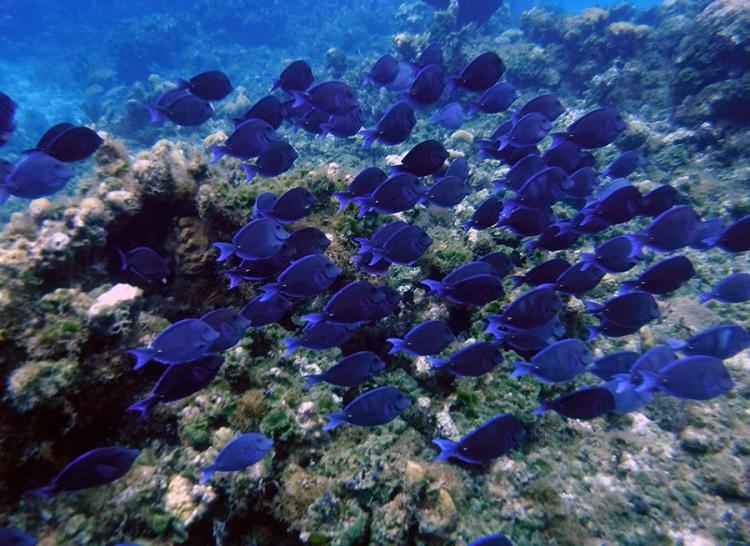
(289, 265)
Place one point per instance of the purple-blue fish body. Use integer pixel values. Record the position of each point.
(424, 159)
(307, 240)
(383, 71)
(566, 154)
(561, 361)
(581, 183)
(7, 113)
(486, 215)
(304, 278)
(584, 404)
(249, 139)
(447, 192)
(481, 73)
(735, 238)
(16, 537)
(364, 183)
(354, 304)
(183, 341)
(531, 309)
(394, 127)
(659, 200)
(471, 361)
(527, 131)
(721, 342)
(558, 236)
(69, 143)
(548, 105)
(146, 263)
(490, 440)
(405, 246)
(615, 255)
(36, 175)
(616, 207)
(397, 193)
(544, 273)
(492, 540)
(269, 109)
(623, 165)
(663, 277)
(541, 190)
(522, 171)
(428, 86)
(260, 238)
(451, 116)
(231, 326)
(351, 371)
(578, 279)
(332, 97)
(614, 364)
(344, 125)
(477, 290)
(734, 288)
(261, 269)
(597, 128)
(673, 229)
(180, 381)
(320, 336)
(406, 73)
(431, 54)
(532, 339)
(261, 312)
(375, 407)
(494, 100)
(527, 221)
(628, 311)
(94, 468)
(692, 378)
(425, 339)
(459, 167)
(180, 107)
(296, 76)
(243, 451)
(626, 395)
(210, 86)
(292, 206)
(501, 262)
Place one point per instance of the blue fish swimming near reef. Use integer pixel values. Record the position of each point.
(734, 288)
(375, 407)
(561, 361)
(146, 263)
(721, 342)
(243, 451)
(428, 338)
(231, 326)
(296, 76)
(180, 381)
(36, 175)
(471, 361)
(488, 441)
(183, 341)
(349, 371)
(213, 85)
(260, 238)
(584, 404)
(692, 378)
(663, 277)
(304, 278)
(263, 311)
(492, 540)
(7, 113)
(94, 468)
(69, 143)
(16, 537)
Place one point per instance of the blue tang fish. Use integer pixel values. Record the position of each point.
(320, 336)
(375, 407)
(663, 277)
(180, 381)
(471, 361)
(146, 263)
(296, 76)
(263, 311)
(584, 404)
(69, 143)
(243, 451)
(692, 378)
(428, 338)
(304, 278)
(231, 326)
(36, 175)
(276, 158)
(613, 364)
(493, 438)
(260, 238)
(94, 468)
(180, 342)
(734, 288)
(721, 342)
(561, 361)
(211, 86)
(349, 371)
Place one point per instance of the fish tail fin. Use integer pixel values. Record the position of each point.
(466, 225)
(45, 492)
(593, 331)
(217, 152)
(4, 195)
(292, 344)
(275, 83)
(344, 199)
(522, 368)
(447, 449)
(398, 345)
(636, 239)
(531, 246)
(589, 261)
(312, 379)
(437, 363)
(334, 420)
(206, 475)
(123, 259)
(369, 137)
(628, 286)
(436, 287)
(145, 406)
(650, 381)
(544, 406)
(225, 251)
(300, 98)
(517, 280)
(235, 278)
(473, 109)
(675, 344)
(182, 83)
(704, 296)
(452, 86)
(593, 307)
(155, 114)
(325, 130)
(313, 318)
(269, 291)
(142, 357)
(250, 171)
(364, 205)
(365, 244)
(377, 255)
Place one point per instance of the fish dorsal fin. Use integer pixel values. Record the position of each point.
(53, 134)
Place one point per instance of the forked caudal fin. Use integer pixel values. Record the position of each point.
(447, 449)
(142, 357)
(334, 420)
